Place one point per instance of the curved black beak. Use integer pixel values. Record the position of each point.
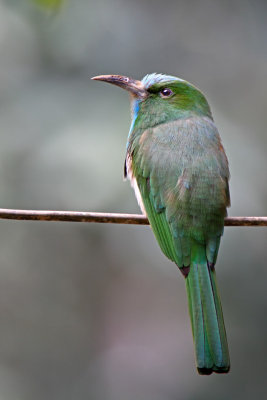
(135, 87)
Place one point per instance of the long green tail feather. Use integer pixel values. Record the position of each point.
(206, 316)
(204, 303)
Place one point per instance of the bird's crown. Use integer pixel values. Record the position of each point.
(152, 79)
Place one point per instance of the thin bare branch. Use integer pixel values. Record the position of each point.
(111, 218)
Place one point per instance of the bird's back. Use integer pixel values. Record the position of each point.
(186, 171)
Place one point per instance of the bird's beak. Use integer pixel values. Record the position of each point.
(136, 88)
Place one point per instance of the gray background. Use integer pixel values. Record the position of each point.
(96, 311)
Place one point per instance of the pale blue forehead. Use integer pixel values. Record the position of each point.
(151, 79)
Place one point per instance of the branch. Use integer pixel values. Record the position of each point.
(134, 219)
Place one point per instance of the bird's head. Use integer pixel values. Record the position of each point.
(159, 98)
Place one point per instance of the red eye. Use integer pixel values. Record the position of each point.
(166, 92)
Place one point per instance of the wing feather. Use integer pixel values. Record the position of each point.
(181, 172)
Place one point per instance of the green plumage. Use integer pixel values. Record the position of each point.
(179, 169)
(206, 315)
(183, 185)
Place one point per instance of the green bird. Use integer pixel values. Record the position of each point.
(178, 168)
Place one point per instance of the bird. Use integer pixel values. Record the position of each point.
(178, 168)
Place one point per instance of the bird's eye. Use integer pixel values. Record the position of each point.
(164, 93)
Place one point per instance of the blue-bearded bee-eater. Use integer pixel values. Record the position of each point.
(178, 168)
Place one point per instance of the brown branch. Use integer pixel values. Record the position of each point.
(135, 219)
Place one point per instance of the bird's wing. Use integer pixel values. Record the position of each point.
(153, 177)
(156, 213)
(177, 201)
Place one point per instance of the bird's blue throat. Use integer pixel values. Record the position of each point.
(135, 110)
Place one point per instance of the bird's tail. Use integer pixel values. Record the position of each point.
(206, 315)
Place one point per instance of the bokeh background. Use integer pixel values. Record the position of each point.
(96, 311)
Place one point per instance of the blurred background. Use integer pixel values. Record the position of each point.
(93, 311)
